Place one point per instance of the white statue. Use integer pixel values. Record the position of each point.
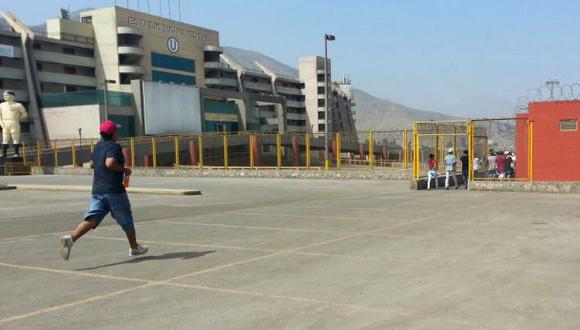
(11, 113)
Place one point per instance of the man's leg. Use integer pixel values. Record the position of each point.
(83, 228)
(93, 217)
(447, 179)
(15, 133)
(132, 238)
(121, 212)
(429, 177)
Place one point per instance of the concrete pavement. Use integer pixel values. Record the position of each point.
(276, 253)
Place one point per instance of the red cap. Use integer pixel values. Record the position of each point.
(109, 127)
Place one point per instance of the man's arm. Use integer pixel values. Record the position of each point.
(112, 164)
(23, 113)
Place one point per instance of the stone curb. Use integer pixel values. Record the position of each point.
(541, 187)
(375, 174)
(5, 187)
(143, 191)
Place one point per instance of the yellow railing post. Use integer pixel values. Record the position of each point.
(531, 150)
(23, 152)
(279, 150)
(405, 151)
(307, 142)
(154, 152)
(176, 140)
(252, 151)
(455, 139)
(225, 150)
(132, 146)
(338, 150)
(200, 151)
(371, 148)
(38, 155)
(470, 148)
(437, 144)
(73, 151)
(416, 170)
(55, 154)
(92, 146)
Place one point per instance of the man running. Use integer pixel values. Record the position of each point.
(108, 193)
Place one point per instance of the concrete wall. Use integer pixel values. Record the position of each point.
(556, 155)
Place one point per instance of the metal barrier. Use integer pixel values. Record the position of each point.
(506, 139)
(346, 150)
(492, 146)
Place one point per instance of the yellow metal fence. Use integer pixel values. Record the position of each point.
(346, 150)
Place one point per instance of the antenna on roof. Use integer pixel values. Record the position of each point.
(169, 6)
(179, 9)
(64, 14)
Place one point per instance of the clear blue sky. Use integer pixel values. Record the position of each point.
(459, 57)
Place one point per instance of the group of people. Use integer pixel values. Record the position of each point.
(450, 165)
(499, 165)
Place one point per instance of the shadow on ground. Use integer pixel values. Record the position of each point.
(166, 256)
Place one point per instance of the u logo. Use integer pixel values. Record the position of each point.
(173, 45)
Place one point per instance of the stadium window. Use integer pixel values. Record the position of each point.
(568, 125)
(36, 45)
(68, 50)
(70, 70)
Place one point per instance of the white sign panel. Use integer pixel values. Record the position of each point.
(6, 50)
(171, 109)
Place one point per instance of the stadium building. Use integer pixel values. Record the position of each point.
(155, 76)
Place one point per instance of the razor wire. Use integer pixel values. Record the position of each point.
(551, 91)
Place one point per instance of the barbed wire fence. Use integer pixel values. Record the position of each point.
(552, 90)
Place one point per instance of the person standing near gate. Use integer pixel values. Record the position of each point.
(491, 164)
(450, 162)
(108, 193)
(465, 167)
(432, 174)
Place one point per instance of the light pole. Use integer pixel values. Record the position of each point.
(551, 84)
(327, 38)
(106, 81)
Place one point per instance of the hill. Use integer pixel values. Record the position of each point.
(373, 113)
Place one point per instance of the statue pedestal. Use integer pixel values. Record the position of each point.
(13, 166)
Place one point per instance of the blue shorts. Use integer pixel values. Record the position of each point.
(117, 204)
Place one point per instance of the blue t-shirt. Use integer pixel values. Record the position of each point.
(106, 181)
(450, 162)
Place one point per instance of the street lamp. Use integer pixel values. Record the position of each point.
(327, 38)
(107, 81)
